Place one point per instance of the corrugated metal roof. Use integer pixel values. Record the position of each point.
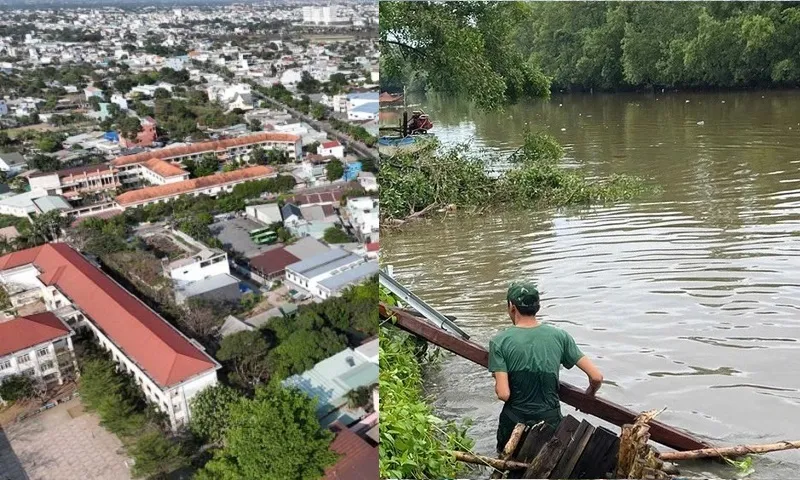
(351, 276)
(327, 261)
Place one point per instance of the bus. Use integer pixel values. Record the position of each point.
(266, 238)
(259, 231)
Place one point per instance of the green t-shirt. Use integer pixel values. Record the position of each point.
(532, 358)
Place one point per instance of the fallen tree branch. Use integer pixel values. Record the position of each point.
(511, 447)
(736, 451)
(492, 462)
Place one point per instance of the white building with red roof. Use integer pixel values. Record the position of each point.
(331, 149)
(38, 346)
(169, 368)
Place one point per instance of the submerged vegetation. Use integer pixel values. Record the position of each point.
(435, 177)
(414, 442)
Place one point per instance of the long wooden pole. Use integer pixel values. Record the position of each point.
(569, 394)
(492, 462)
(736, 451)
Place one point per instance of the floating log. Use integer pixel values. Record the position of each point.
(736, 451)
(492, 462)
(569, 394)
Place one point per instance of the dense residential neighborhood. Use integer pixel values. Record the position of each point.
(189, 242)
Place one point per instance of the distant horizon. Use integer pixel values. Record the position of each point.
(62, 4)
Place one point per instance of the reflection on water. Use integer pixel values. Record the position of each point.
(688, 299)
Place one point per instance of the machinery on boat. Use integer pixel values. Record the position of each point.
(412, 132)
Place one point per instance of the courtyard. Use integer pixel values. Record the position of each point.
(64, 442)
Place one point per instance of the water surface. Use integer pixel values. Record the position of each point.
(687, 299)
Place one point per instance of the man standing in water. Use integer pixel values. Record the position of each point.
(525, 360)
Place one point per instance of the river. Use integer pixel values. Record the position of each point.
(687, 299)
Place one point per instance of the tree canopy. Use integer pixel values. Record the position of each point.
(462, 48)
(274, 435)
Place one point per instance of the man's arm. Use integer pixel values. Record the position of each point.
(501, 387)
(591, 371)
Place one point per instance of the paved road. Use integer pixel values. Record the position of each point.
(326, 127)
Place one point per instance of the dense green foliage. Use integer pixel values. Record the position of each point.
(589, 45)
(16, 387)
(336, 235)
(207, 165)
(334, 170)
(413, 440)
(274, 435)
(285, 346)
(461, 48)
(432, 177)
(210, 412)
(612, 45)
(356, 131)
(118, 402)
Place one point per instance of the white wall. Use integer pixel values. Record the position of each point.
(45, 182)
(200, 270)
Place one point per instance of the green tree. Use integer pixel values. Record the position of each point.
(207, 165)
(336, 235)
(154, 454)
(317, 111)
(464, 48)
(258, 156)
(246, 353)
(105, 391)
(49, 142)
(129, 127)
(255, 125)
(274, 435)
(161, 93)
(210, 412)
(16, 387)
(334, 170)
(307, 83)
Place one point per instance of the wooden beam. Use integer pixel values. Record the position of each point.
(569, 394)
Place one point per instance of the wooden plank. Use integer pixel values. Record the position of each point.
(599, 407)
(546, 459)
(593, 462)
(573, 450)
(566, 429)
(537, 437)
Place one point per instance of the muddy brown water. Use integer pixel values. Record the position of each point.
(687, 299)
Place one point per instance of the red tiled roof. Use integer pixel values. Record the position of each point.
(165, 169)
(25, 332)
(373, 247)
(358, 461)
(187, 186)
(87, 170)
(201, 147)
(158, 348)
(331, 144)
(273, 262)
(105, 214)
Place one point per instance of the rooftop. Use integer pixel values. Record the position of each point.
(187, 186)
(273, 262)
(165, 169)
(25, 332)
(156, 346)
(358, 461)
(201, 147)
(324, 262)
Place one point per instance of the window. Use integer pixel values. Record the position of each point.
(24, 358)
(29, 372)
(46, 365)
(42, 352)
(177, 407)
(5, 365)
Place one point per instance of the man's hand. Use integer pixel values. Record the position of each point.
(591, 371)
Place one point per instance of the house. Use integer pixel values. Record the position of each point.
(146, 136)
(38, 345)
(368, 181)
(233, 325)
(272, 263)
(176, 63)
(327, 274)
(267, 213)
(92, 91)
(330, 380)
(306, 247)
(291, 214)
(332, 148)
(220, 288)
(362, 214)
(358, 458)
(33, 202)
(12, 163)
(242, 101)
(120, 101)
(363, 113)
(3, 108)
(168, 367)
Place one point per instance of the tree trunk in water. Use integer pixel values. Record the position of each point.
(489, 461)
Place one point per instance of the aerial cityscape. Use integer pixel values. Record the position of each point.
(189, 238)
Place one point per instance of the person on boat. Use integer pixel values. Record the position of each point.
(525, 360)
(419, 122)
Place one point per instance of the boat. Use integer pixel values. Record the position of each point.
(409, 136)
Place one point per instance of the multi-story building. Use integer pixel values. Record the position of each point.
(231, 148)
(211, 185)
(362, 213)
(38, 345)
(168, 367)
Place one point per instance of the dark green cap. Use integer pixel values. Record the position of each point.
(523, 294)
